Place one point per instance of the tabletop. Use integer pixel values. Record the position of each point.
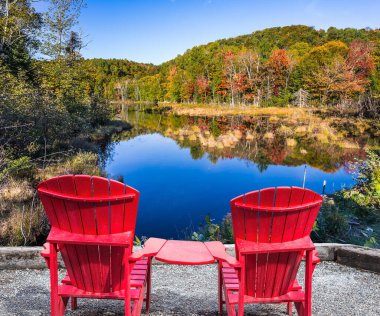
(185, 252)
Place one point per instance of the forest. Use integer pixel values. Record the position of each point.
(294, 65)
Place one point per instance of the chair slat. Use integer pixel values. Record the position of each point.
(83, 184)
(117, 223)
(68, 252)
(252, 229)
(130, 210)
(267, 198)
(276, 268)
(238, 220)
(67, 185)
(101, 187)
(251, 218)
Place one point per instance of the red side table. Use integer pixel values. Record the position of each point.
(188, 253)
(185, 252)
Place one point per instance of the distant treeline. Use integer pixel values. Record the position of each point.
(275, 66)
(98, 77)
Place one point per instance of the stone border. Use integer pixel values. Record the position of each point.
(350, 255)
(21, 258)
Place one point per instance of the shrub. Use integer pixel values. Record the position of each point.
(210, 231)
(18, 168)
(331, 224)
(83, 163)
(366, 193)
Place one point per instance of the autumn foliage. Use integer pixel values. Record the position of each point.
(278, 66)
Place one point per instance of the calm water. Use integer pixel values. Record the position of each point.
(179, 188)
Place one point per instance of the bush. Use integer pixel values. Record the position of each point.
(331, 224)
(366, 193)
(83, 163)
(20, 168)
(210, 231)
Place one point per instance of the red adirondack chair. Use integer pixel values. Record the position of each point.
(272, 234)
(92, 226)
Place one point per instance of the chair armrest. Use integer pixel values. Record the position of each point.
(46, 251)
(218, 251)
(57, 235)
(151, 247)
(250, 247)
(315, 257)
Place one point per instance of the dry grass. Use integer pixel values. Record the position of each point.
(249, 110)
(22, 219)
(81, 163)
(291, 142)
(16, 191)
(349, 144)
(20, 213)
(268, 136)
(22, 225)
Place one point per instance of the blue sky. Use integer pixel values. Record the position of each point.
(158, 30)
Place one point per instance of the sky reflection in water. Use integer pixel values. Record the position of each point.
(178, 191)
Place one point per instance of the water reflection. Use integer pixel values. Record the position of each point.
(188, 167)
(263, 140)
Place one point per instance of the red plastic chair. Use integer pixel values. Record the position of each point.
(272, 235)
(92, 226)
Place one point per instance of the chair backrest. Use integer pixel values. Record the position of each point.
(273, 215)
(95, 206)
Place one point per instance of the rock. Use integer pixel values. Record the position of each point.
(359, 257)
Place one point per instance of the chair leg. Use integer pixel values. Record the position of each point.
(58, 304)
(300, 307)
(241, 286)
(74, 303)
(230, 309)
(290, 308)
(220, 289)
(308, 282)
(127, 285)
(148, 286)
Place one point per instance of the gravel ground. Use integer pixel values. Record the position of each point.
(184, 290)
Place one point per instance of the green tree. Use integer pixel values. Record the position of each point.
(59, 22)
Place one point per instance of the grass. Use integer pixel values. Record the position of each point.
(81, 163)
(16, 191)
(324, 123)
(22, 219)
(251, 110)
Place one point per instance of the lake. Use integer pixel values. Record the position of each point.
(186, 167)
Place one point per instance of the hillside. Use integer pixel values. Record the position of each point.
(275, 66)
